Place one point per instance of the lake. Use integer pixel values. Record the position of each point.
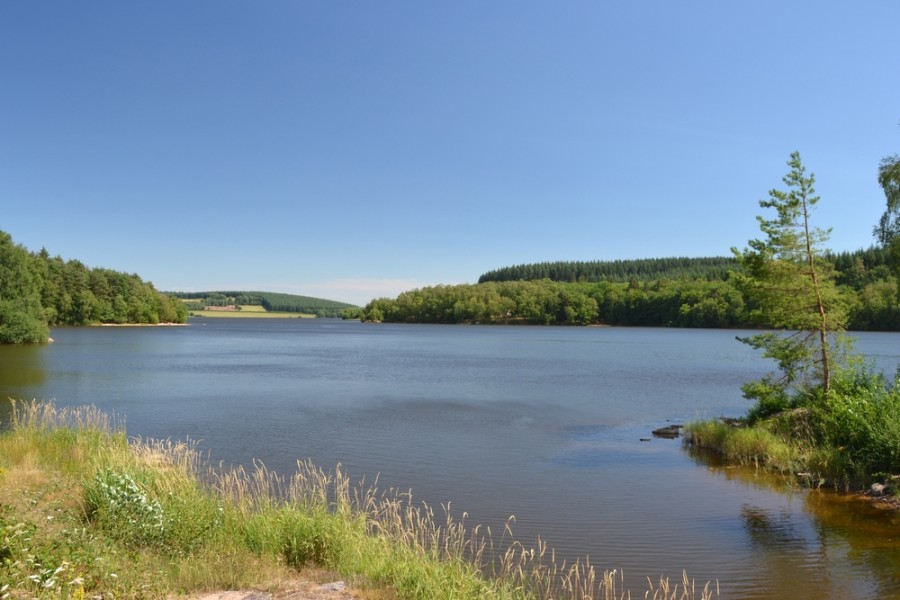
(544, 423)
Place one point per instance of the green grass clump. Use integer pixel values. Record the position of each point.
(86, 512)
(755, 446)
(117, 504)
(848, 439)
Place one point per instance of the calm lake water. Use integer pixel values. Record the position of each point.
(543, 423)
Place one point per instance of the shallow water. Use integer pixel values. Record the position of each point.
(542, 423)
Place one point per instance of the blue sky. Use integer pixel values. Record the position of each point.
(351, 150)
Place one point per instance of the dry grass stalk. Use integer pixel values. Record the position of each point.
(390, 523)
(45, 417)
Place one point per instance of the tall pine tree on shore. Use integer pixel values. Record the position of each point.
(792, 288)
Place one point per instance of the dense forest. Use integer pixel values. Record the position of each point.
(652, 269)
(38, 291)
(271, 301)
(873, 261)
(640, 292)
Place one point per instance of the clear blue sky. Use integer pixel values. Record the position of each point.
(350, 150)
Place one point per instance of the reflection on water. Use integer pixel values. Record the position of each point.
(768, 528)
(542, 423)
(821, 541)
(22, 371)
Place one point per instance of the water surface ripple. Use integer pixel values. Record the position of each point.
(541, 423)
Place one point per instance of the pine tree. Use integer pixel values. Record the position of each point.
(792, 287)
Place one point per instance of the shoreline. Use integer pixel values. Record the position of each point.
(140, 325)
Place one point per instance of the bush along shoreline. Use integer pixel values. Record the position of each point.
(87, 512)
(847, 439)
(826, 415)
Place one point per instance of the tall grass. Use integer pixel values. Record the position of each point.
(749, 446)
(847, 439)
(147, 518)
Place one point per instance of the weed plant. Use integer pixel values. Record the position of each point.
(85, 512)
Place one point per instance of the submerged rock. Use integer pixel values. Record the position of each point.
(877, 489)
(669, 431)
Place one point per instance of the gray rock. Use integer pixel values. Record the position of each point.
(669, 431)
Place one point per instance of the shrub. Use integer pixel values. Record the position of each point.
(847, 438)
(119, 505)
(311, 538)
(860, 422)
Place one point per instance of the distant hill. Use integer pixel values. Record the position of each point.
(651, 269)
(271, 301)
(855, 269)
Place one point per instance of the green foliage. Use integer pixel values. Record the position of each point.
(641, 270)
(19, 323)
(27, 567)
(860, 423)
(300, 537)
(792, 287)
(352, 313)
(876, 307)
(73, 294)
(847, 438)
(116, 503)
(139, 514)
(311, 538)
(21, 313)
(855, 270)
(37, 291)
(888, 228)
(756, 446)
(631, 297)
(271, 301)
(771, 398)
(543, 302)
(697, 303)
(663, 303)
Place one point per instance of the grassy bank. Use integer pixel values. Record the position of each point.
(248, 314)
(86, 512)
(848, 439)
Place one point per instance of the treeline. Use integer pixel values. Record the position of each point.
(650, 269)
(271, 301)
(869, 292)
(855, 269)
(38, 291)
(674, 303)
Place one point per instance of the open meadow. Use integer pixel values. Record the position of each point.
(249, 312)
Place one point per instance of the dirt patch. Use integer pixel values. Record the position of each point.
(296, 590)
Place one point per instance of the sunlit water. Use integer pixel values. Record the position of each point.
(543, 423)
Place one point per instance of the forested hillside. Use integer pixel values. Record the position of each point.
(874, 261)
(643, 292)
(271, 301)
(37, 291)
(651, 269)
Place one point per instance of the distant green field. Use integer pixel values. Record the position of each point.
(249, 314)
(271, 302)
